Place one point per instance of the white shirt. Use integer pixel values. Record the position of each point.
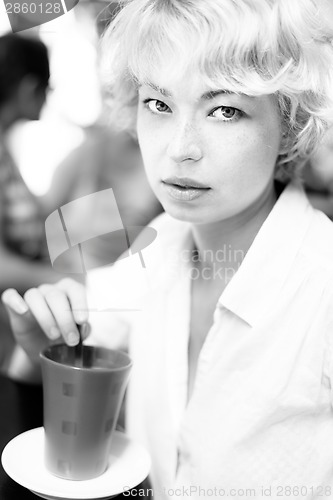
(260, 415)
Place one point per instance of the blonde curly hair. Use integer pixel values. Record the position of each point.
(255, 47)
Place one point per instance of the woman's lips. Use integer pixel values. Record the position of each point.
(185, 182)
(184, 189)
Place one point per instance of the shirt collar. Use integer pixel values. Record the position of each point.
(257, 284)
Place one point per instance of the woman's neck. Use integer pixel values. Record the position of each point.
(225, 243)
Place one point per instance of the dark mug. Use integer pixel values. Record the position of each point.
(83, 392)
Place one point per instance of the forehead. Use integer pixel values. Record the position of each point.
(191, 85)
(194, 86)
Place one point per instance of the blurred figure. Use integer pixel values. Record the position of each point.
(24, 77)
(105, 160)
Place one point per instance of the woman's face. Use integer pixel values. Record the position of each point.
(209, 155)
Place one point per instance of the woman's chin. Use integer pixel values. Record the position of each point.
(189, 214)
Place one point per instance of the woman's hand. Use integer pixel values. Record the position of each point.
(47, 313)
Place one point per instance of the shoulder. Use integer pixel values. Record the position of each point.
(302, 227)
(317, 246)
(315, 262)
(154, 249)
(120, 292)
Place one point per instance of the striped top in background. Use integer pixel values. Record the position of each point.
(21, 220)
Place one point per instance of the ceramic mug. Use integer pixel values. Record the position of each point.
(83, 392)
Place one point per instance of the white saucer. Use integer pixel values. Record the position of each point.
(23, 460)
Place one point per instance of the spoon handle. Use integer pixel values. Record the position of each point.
(79, 348)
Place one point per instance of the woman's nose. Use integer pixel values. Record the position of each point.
(184, 144)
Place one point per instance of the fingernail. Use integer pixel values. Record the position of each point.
(73, 338)
(81, 317)
(54, 333)
(19, 306)
(84, 330)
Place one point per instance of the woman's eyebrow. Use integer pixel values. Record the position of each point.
(211, 94)
(162, 91)
(206, 96)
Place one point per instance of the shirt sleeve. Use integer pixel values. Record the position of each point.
(119, 296)
(116, 296)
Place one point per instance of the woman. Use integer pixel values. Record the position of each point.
(232, 355)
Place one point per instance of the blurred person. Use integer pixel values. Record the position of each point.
(24, 80)
(106, 159)
(231, 388)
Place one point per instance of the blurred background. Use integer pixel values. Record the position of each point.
(71, 150)
(74, 101)
(56, 145)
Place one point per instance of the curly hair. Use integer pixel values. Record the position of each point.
(254, 47)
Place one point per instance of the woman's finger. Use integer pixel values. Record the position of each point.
(60, 306)
(77, 297)
(39, 308)
(13, 299)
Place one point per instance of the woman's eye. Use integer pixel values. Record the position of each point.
(157, 106)
(226, 113)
